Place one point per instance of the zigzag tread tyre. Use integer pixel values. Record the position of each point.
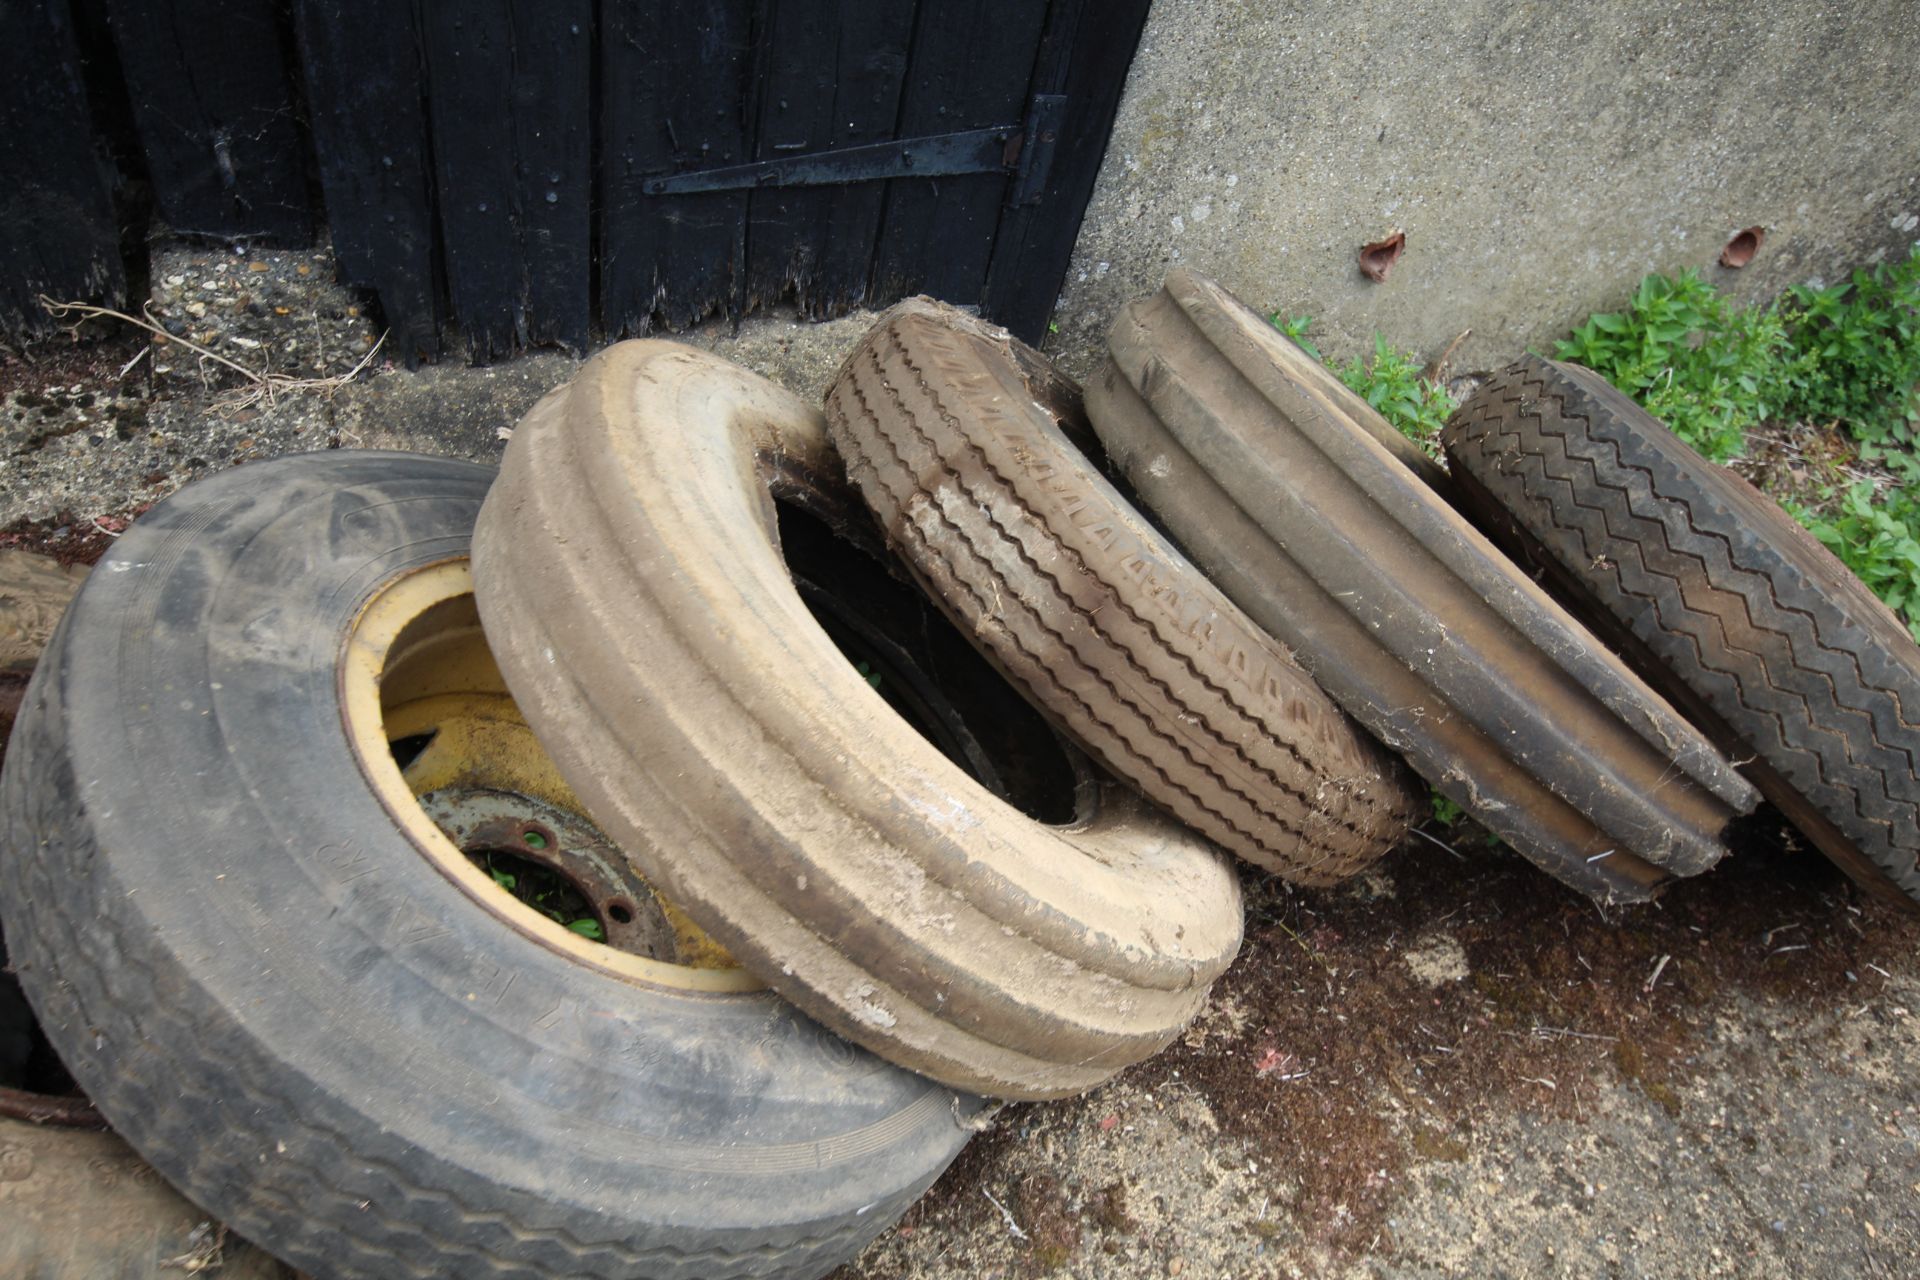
(1417, 625)
(320, 1035)
(951, 430)
(1728, 603)
(628, 568)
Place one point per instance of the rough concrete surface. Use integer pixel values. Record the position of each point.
(1540, 158)
(1451, 1067)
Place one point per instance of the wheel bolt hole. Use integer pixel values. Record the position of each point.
(620, 912)
(534, 839)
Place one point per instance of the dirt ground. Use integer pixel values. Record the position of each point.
(1449, 1067)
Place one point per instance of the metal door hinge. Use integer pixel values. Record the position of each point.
(1023, 152)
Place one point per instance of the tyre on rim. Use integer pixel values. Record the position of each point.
(1724, 601)
(628, 568)
(321, 1018)
(1416, 624)
(952, 431)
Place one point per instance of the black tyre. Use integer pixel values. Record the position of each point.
(1417, 625)
(316, 1014)
(1738, 613)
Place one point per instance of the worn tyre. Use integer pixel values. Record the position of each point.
(630, 577)
(304, 1005)
(952, 431)
(1416, 624)
(1727, 603)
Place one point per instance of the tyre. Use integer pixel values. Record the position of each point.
(1726, 603)
(951, 430)
(629, 571)
(1410, 619)
(327, 1022)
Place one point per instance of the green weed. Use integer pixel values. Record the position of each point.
(1391, 382)
(1845, 356)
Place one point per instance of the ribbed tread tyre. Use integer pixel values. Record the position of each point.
(1416, 624)
(310, 1028)
(629, 574)
(1738, 612)
(952, 431)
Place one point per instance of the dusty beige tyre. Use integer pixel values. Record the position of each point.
(630, 580)
(952, 431)
(1415, 623)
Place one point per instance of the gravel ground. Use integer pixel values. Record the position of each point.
(1452, 1067)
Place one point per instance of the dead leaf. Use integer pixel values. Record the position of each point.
(1377, 259)
(1740, 250)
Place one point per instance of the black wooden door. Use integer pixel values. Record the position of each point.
(531, 171)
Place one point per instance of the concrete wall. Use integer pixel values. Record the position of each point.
(1540, 158)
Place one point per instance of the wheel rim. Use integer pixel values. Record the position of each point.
(480, 800)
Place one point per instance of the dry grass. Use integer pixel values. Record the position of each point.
(261, 386)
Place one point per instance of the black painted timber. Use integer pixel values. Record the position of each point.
(833, 77)
(469, 57)
(970, 68)
(486, 163)
(208, 81)
(553, 156)
(365, 93)
(58, 234)
(1085, 54)
(676, 93)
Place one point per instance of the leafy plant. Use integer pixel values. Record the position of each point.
(1874, 534)
(1858, 351)
(1445, 811)
(1711, 372)
(1846, 356)
(1391, 382)
(1394, 385)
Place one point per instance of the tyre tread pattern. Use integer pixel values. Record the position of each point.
(1742, 608)
(1313, 807)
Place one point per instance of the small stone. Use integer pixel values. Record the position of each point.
(1176, 1265)
(303, 269)
(256, 266)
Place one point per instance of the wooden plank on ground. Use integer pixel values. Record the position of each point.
(969, 69)
(58, 235)
(1085, 54)
(832, 78)
(213, 104)
(34, 593)
(361, 60)
(676, 93)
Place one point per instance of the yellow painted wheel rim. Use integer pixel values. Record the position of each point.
(416, 662)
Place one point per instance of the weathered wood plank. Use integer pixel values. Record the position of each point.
(214, 108)
(34, 593)
(58, 234)
(1085, 54)
(676, 88)
(553, 145)
(969, 69)
(468, 48)
(833, 78)
(365, 90)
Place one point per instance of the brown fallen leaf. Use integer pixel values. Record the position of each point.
(1740, 250)
(1377, 259)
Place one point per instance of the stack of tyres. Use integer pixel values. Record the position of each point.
(433, 872)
